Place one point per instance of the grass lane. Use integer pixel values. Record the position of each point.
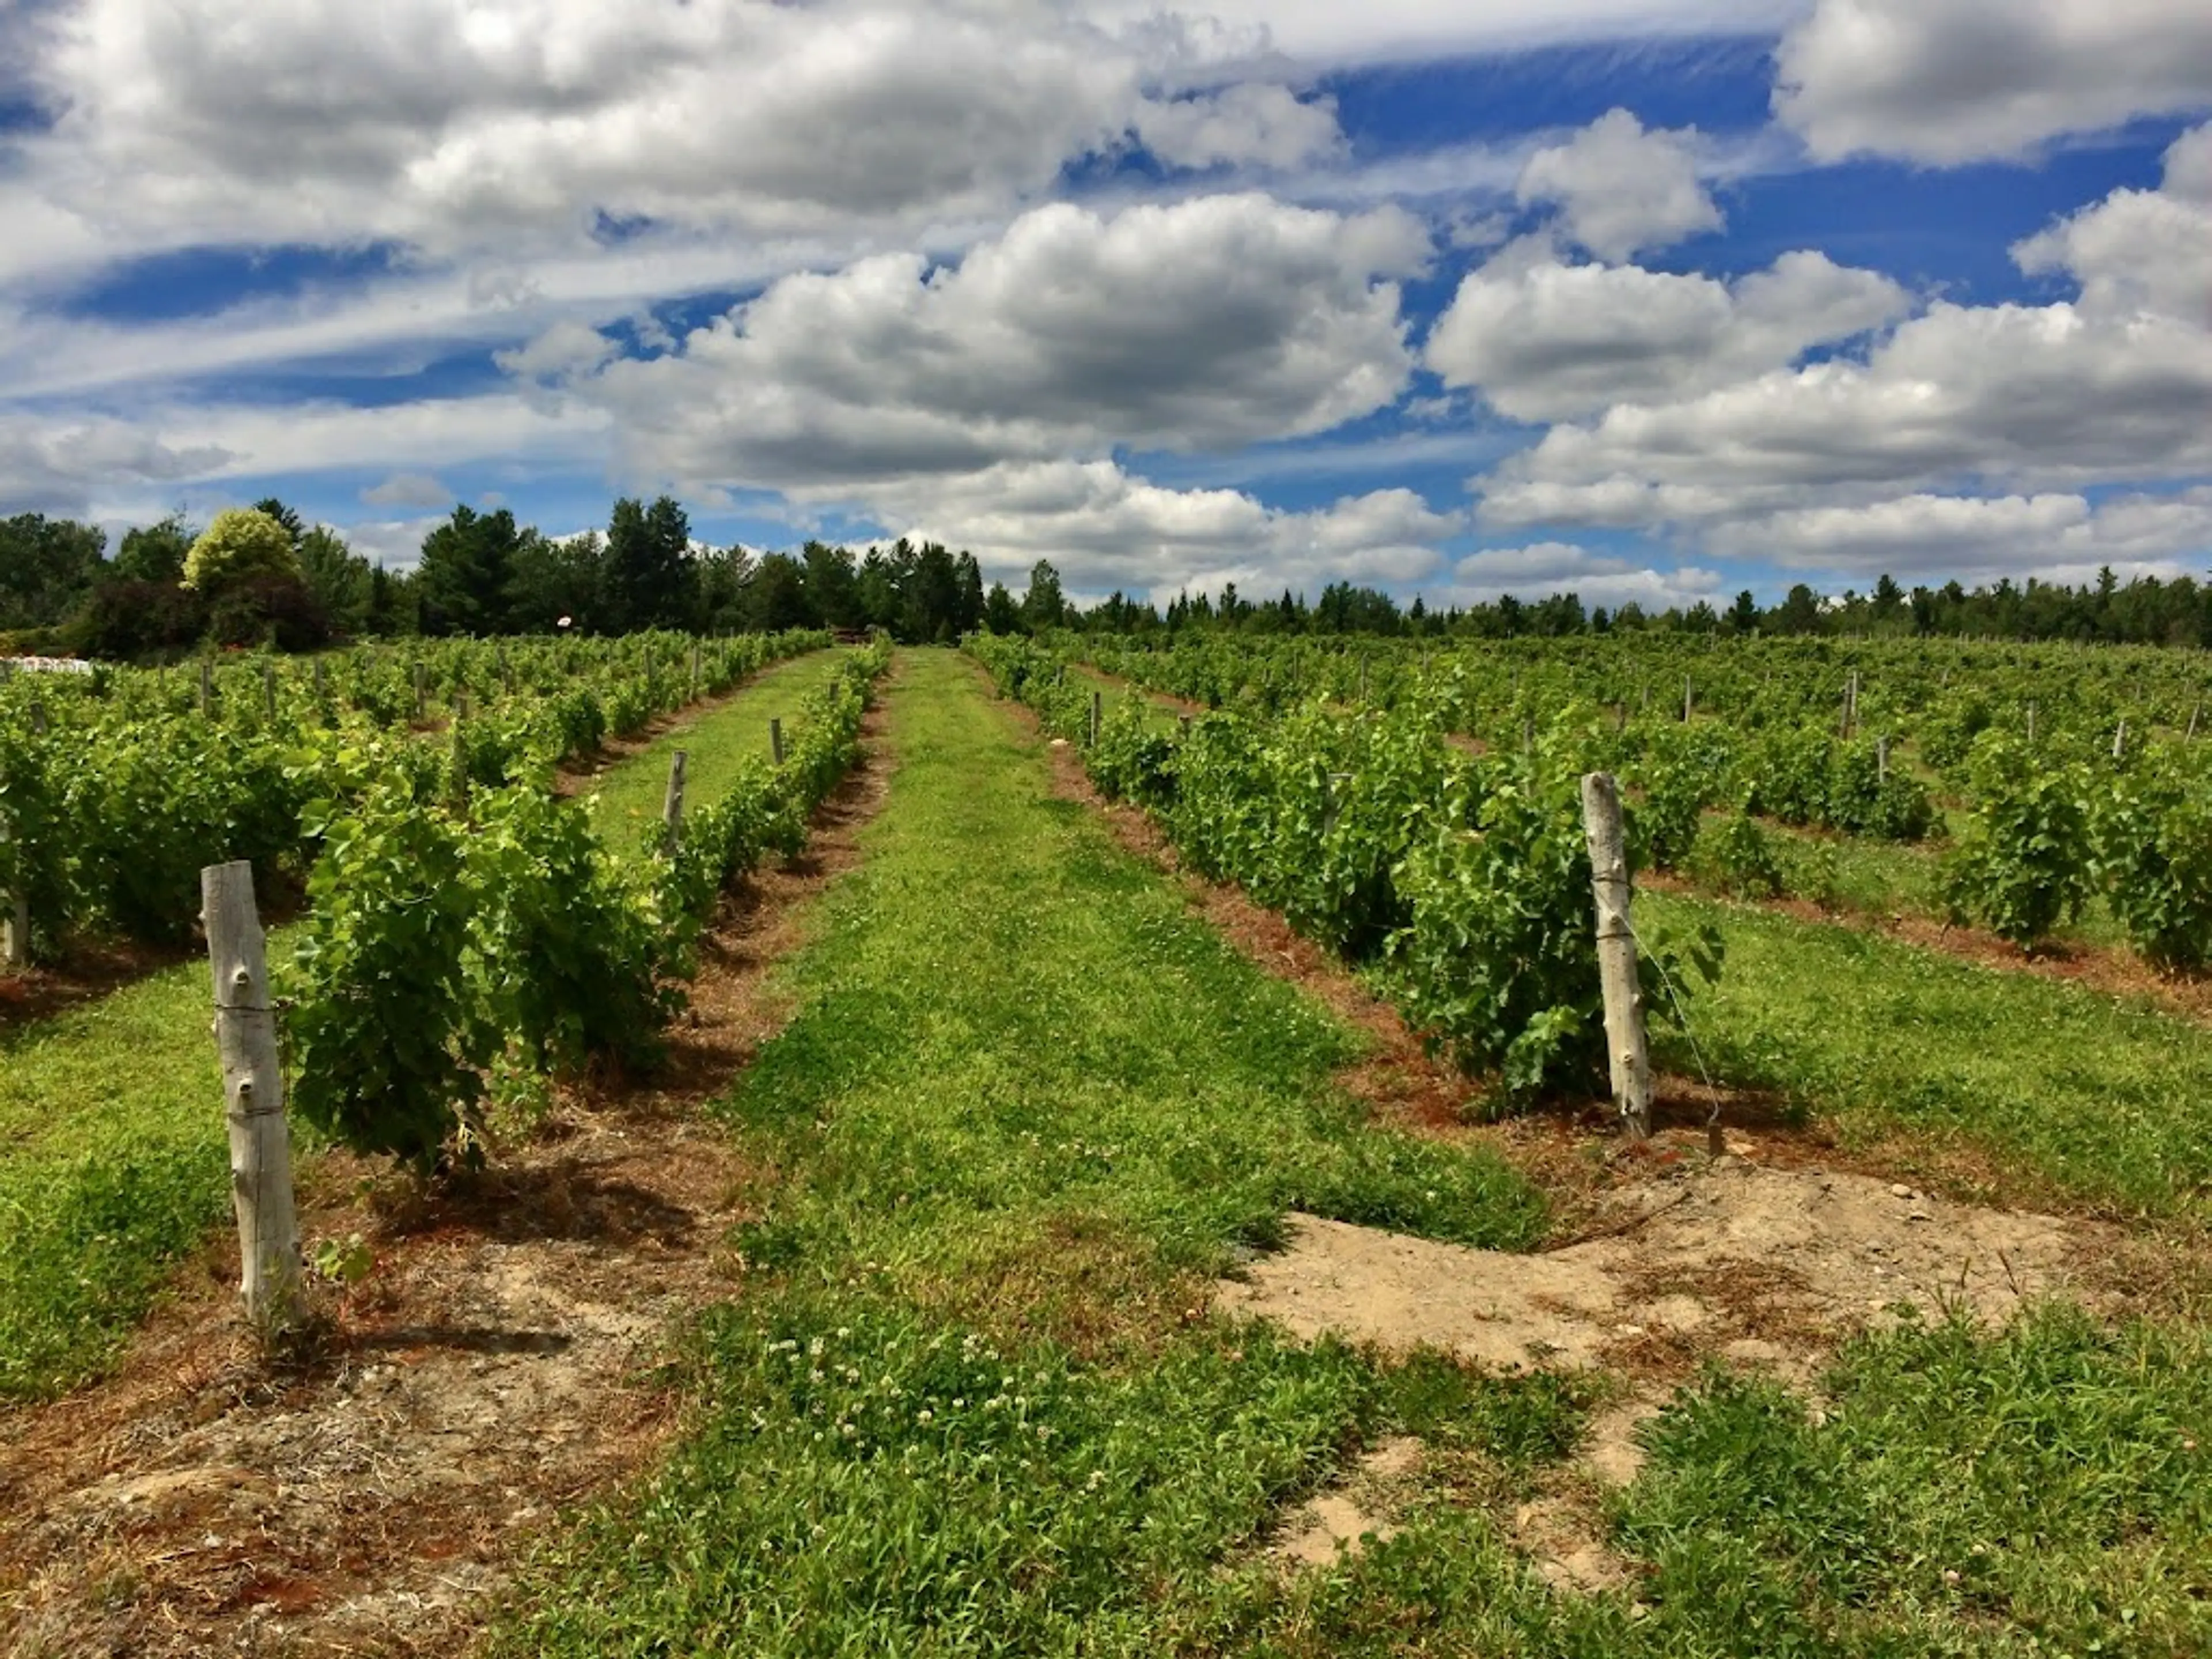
(113, 1160)
(1028, 1103)
(715, 743)
(2104, 1097)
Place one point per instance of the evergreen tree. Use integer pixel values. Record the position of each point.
(468, 567)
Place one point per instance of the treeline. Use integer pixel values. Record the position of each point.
(484, 573)
(263, 575)
(2143, 612)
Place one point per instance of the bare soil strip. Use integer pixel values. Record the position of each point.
(495, 1366)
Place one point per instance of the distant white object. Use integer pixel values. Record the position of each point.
(46, 664)
(563, 623)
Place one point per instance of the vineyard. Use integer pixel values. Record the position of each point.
(1162, 1187)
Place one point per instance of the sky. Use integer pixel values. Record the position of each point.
(1647, 300)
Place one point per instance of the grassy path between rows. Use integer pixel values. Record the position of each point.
(2106, 1099)
(972, 1401)
(716, 744)
(112, 1154)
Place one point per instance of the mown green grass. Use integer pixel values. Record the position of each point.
(967, 1403)
(1028, 1101)
(112, 1148)
(2109, 1099)
(630, 795)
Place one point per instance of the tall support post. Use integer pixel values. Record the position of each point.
(1624, 1039)
(2120, 740)
(1881, 759)
(254, 1091)
(422, 691)
(2194, 713)
(15, 918)
(322, 681)
(671, 805)
(775, 740)
(1097, 718)
(1687, 704)
(269, 691)
(694, 670)
(207, 689)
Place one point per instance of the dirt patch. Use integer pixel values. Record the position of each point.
(497, 1365)
(1342, 1520)
(1760, 1265)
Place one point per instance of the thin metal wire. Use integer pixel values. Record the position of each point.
(1682, 1018)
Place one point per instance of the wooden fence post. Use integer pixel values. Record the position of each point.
(1616, 954)
(775, 740)
(207, 688)
(1096, 719)
(253, 1091)
(672, 806)
(269, 691)
(2193, 713)
(2120, 740)
(15, 921)
(1882, 760)
(1686, 699)
(422, 691)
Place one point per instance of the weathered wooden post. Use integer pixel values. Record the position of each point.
(15, 921)
(2030, 722)
(421, 691)
(1616, 954)
(2120, 740)
(2194, 713)
(1881, 759)
(1686, 699)
(207, 688)
(1363, 682)
(672, 806)
(269, 691)
(457, 778)
(253, 1091)
(775, 740)
(1097, 718)
(322, 682)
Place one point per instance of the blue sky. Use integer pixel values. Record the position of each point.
(1654, 300)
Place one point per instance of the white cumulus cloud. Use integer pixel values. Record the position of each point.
(1620, 189)
(1209, 323)
(1952, 81)
(1547, 341)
